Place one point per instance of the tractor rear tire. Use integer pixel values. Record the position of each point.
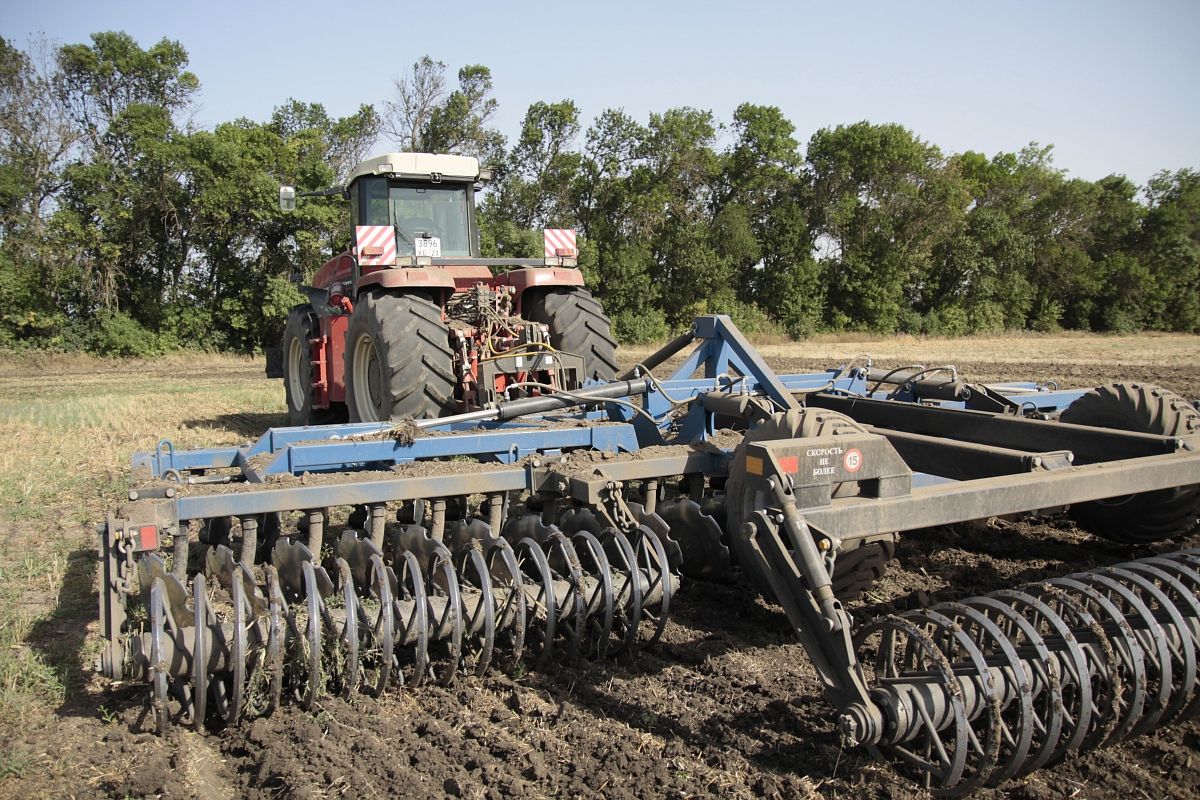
(1149, 516)
(399, 364)
(301, 326)
(577, 325)
(860, 563)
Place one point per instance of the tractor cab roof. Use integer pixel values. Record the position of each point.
(418, 166)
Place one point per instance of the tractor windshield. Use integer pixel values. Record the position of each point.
(421, 211)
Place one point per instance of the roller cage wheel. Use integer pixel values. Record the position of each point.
(398, 364)
(301, 326)
(577, 325)
(1149, 516)
(860, 563)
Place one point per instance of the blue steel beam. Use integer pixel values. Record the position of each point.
(322, 495)
(402, 487)
(724, 346)
(296, 454)
(504, 446)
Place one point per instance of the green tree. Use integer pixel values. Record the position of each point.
(537, 179)
(1170, 250)
(616, 255)
(673, 191)
(762, 221)
(339, 143)
(123, 218)
(101, 81)
(882, 201)
(36, 139)
(460, 124)
(979, 276)
(36, 134)
(1124, 285)
(246, 250)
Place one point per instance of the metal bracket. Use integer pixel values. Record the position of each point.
(827, 641)
(813, 466)
(114, 588)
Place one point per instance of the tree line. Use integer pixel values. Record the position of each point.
(126, 229)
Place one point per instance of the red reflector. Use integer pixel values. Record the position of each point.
(147, 537)
(789, 463)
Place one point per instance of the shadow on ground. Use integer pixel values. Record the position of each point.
(60, 637)
(250, 424)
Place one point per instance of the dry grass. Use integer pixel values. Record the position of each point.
(70, 425)
(70, 433)
(1160, 349)
(38, 362)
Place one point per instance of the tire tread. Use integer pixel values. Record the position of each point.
(1150, 516)
(413, 345)
(578, 325)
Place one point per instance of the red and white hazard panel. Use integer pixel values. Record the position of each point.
(376, 245)
(560, 243)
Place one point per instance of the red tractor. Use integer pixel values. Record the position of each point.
(412, 322)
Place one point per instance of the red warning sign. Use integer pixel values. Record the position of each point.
(852, 460)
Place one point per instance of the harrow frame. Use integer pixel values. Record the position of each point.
(922, 452)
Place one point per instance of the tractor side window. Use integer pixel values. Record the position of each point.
(374, 202)
(355, 215)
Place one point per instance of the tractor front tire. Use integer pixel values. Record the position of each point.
(860, 563)
(578, 325)
(301, 327)
(1149, 516)
(399, 364)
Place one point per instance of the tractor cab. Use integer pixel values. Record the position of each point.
(426, 201)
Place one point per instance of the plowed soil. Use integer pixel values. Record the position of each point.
(727, 705)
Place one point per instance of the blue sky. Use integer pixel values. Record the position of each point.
(1111, 85)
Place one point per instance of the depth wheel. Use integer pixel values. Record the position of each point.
(297, 371)
(398, 359)
(1149, 516)
(860, 563)
(577, 325)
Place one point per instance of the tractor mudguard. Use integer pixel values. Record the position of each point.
(338, 268)
(539, 277)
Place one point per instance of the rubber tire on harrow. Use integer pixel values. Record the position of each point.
(400, 342)
(297, 371)
(1149, 516)
(577, 325)
(860, 562)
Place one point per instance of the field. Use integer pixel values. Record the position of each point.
(726, 706)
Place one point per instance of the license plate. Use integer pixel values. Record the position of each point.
(431, 246)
